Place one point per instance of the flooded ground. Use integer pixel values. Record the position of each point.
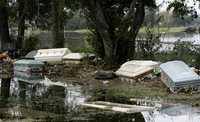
(169, 39)
(49, 101)
(176, 113)
(182, 36)
(58, 101)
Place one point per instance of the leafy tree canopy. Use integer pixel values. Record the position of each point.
(181, 9)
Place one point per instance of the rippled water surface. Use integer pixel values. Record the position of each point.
(168, 39)
(57, 101)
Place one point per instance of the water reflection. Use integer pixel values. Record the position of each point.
(44, 96)
(168, 39)
(173, 37)
(57, 101)
(178, 113)
(54, 101)
(73, 97)
(183, 36)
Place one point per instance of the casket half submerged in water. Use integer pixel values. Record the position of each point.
(28, 70)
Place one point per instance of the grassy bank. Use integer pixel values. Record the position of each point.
(153, 89)
(142, 30)
(79, 31)
(122, 91)
(167, 29)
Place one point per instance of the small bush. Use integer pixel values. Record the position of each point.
(84, 50)
(197, 57)
(185, 51)
(148, 45)
(95, 43)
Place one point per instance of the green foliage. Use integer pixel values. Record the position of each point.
(115, 23)
(197, 57)
(169, 19)
(78, 21)
(149, 44)
(3, 3)
(96, 46)
(185, 51)
(181, 9)
(114, 11)
(38, 12)
(165, 56)
(152, 17)
(84, 50)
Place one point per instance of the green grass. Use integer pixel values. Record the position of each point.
(142, 30)
(167, 29)
(79, 31)
(142, 91)
(84, 50)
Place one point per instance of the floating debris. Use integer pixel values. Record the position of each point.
(125, 108)
(177, 113)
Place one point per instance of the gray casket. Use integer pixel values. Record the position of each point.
(177, 75)
(28, 70)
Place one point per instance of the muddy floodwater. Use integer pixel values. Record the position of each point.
(169, 39)
(60, 102)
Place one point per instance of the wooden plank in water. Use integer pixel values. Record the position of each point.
(124, 108)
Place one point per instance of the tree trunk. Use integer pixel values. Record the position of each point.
(134, 19)
(58, 23)
(102, 28)
(21, 23)
(139, 19)
(116, 43)
(4, 29)
(5, 87)
(97, 44)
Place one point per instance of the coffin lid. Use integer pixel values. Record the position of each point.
(29, 62)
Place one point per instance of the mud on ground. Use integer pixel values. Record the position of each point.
(116, 90)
